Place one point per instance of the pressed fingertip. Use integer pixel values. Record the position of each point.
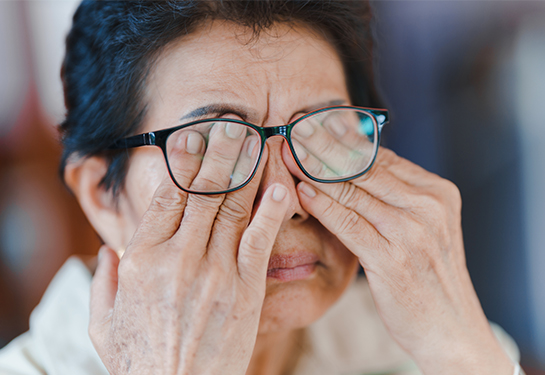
(102, 253)
(307, 190)
(104, 284)
(279, 193)
(104, 260)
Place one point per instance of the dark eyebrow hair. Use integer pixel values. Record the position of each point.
(220, 109)
(246, 113)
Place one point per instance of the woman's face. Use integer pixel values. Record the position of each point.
(269, 81)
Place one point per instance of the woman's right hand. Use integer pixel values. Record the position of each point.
(186, 297)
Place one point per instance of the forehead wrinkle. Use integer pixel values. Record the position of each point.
(274, 74)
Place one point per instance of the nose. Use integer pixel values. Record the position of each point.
(276, 172)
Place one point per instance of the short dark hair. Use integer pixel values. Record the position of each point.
(112, 46)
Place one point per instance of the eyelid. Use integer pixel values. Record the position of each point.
(210, 116)
(232, 116)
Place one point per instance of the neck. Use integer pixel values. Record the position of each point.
(276, 353)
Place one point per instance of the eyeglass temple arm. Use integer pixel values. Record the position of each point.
(134, 141)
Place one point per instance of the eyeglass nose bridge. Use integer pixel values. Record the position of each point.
(271, 131)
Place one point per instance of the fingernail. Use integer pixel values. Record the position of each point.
(234, 130)
(251, 146)
(194, 143)
(279, 193)
(303, 129)
(307, 190)
(338, 128)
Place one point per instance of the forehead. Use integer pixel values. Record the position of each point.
(283, 71)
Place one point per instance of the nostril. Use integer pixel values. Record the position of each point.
(296, 216)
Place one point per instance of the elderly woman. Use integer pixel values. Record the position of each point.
(227, 155)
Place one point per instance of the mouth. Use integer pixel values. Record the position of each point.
(291, 267)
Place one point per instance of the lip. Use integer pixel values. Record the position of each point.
(290, 267)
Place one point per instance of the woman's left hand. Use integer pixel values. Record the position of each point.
(404, 225)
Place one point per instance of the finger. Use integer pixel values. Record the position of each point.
(382, 184)
(405, 170)
(378, 182)
(103, 292)
(334, 141)
(322, 148)
(224, 150)
(162, 219)
(388, 189)
(185, 149)
(419, 180)
(257, 242)
(222, 153)
(317, 167)
(351, 128)
(234, 214)
(384, 216)
(312, 164)
(343, 126)
(246, 161)
(353, 230)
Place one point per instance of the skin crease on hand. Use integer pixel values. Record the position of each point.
(411, 246)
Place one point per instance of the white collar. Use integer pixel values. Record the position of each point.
(58, 325)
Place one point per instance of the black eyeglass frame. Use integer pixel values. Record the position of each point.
(159, 138)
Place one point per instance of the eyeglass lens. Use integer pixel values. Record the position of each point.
(334, 145)
(219, 156)
(213, 156)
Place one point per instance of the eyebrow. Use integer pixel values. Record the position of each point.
(246, 113)
(220, 109)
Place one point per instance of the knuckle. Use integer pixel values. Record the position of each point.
(371, 175)
(386, 156)
(167, 201)
(330, 209)
(208, 183)
(347, 193)
(453, 193)
(327, 146)
(255, 240)
(129, 267)
(205, 202)
(235, 210)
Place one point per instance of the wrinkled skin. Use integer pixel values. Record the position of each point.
(191, 294)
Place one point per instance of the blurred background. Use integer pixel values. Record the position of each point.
(464, 80)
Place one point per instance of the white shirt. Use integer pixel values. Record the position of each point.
(350, 339)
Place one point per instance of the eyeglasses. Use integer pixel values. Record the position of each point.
(218, 155)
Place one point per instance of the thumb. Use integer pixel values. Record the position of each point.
(103, 292)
